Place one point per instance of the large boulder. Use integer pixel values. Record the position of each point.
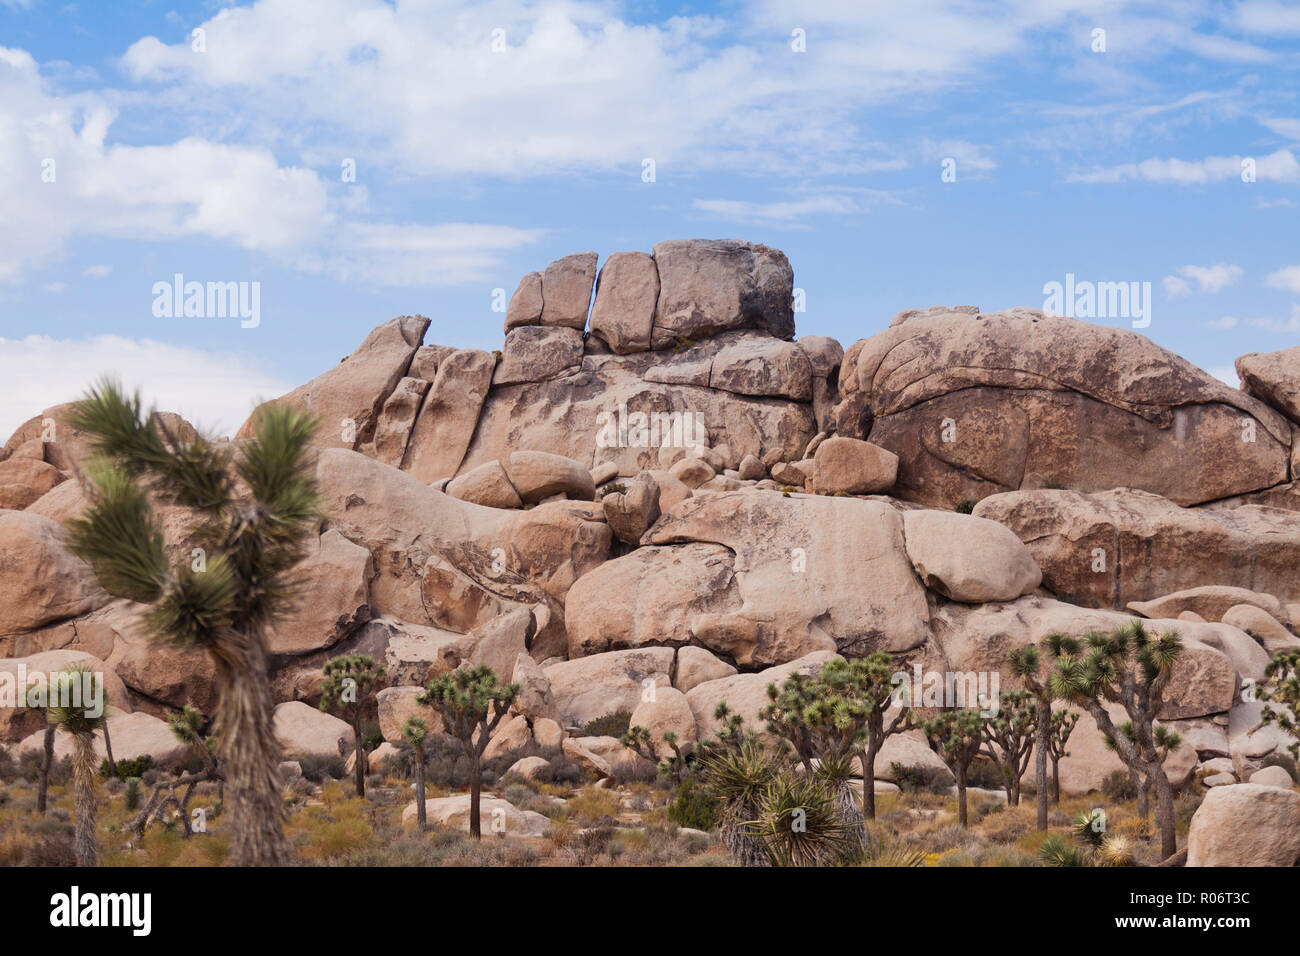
(756, 365)
(486, 485)
(824, 574)
(537, 474)
(133, 735)
(666, 712)
(851, 466)
(826, 355)
(1274, 378)
(627, 292)
(338, 573)
(304, 731)
(746, 694)
(1245, 824)
(607, 758)
(967, 558)
(397, 419)
(975, 405)
(710, 286)
(695, 665)
(498, 817)
(566, 291)
(1211, 602)
(605, 684)
(40, 580)
(450, 412)
(1110, 548)
(533, 353)
(349, 398)
(24, 480)
(398, 704)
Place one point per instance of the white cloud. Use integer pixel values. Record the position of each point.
(1290, 128)
(793, 212)
(1225, 323)
(70, 184)
(1268, 17)
(1208, 279)
(1275, 204)
(1280, 166)
(213, 390)
(1285, 278)
(1289, 326)
(98, 271)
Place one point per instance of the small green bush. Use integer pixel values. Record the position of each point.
(136, 767)
(1118, 785)
(964, 507)
(132, 794)
(694, 808)
(611, 725)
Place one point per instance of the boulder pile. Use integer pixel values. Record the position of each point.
(655, 497)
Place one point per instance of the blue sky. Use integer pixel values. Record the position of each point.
(490, 138)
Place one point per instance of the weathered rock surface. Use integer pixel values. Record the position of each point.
(486, 485)
(852, 467)
(40, 580)
(534, 353)
(1273, 378)
(711, 286)
(605, 684)
(975, 405)
(24, 480)
(1113, 547)
(969, 559)
(304, 731)
(449, 414)
(746, 694)
(497, 816)
(1245, 825)
(627, 292)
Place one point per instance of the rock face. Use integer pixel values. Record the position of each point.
(1245, 825)
(24, 480)
(1110, 548)
(605, 684)
(974, 405)
(1273, 378)
(449, 414)
(304, 731)
(967, 558)
(853, 467)
(533, 353)
(627, 292)
(40, 580)
(711, 286)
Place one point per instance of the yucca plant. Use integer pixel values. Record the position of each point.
(76, 707)
(737, 780)
(1057, 851)
(1131, 667)
(471, 703)
(255, 504)
(187, 726)
(835, 770)
(1090, 828)
(415, 731)
(348, 689)
(799, 823)
(1116, 850)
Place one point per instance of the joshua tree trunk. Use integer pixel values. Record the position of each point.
(475, 786)
(420, 818)
(961, 795)
(1143, 788)
(47, 761)
(1056, 780)
(84, 845)
(108, 748)
(360, 761)
(1042, 734)
(250, 754)
(868, 758)
(1165, 814)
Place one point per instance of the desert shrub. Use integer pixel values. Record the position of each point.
(983, 773)
(321, 769)
(8, 766)
(1184, 807)
(50, 844)
(132, 794)
(610, 725)
(613, 488)
(694, 808)
(135, 767)
(592, 806)
(964, 507)
(920, 779)
(1118, 785)
(562, 771)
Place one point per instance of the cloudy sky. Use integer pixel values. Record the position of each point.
(360, 159)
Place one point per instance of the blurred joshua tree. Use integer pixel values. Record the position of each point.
(955, 735)
(471, 703)
(1130, 667)
(349, 687)
(254, 507)
(1009, 736)
(1166, 740)
(187, 727)
(47, 762)
(414, 732)
(76, 707)
(1281, 696)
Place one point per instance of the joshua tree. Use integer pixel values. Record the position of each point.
(348, 689)
(1166, 740)
(414, 732)
(1063, 722)
(254, 508)
(794, 714)
(672, 766)
(471, 703)
(47, 761)
(1025, 663)
(868, 681)
(1008, 737)
(1281, 694)
(955, 735)
(76, 707)
(187, 726)
(1132, 668)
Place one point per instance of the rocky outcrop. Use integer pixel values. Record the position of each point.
(970, 559)
(1110, 548)
(1245, 825)
(975, 405)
